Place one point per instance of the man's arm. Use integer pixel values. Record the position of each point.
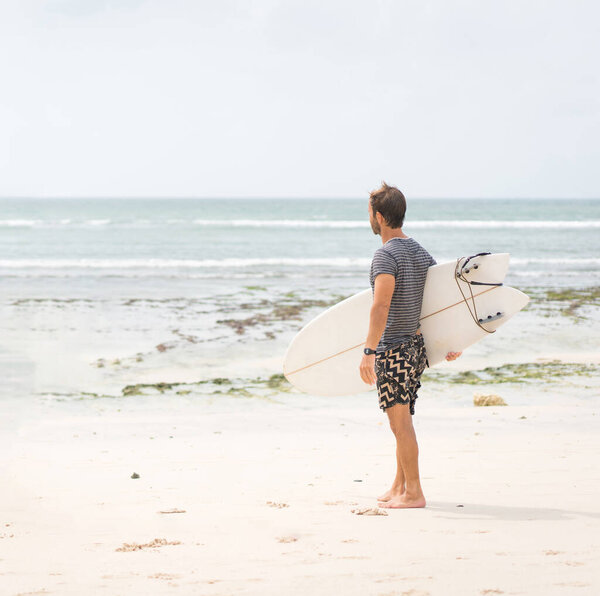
(382, 298)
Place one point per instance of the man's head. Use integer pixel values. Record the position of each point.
(387, 207)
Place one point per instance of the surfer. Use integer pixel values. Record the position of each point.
(395, 355)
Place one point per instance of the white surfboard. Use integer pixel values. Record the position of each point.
(324, 357)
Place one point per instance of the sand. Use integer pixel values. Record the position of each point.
(250, 496)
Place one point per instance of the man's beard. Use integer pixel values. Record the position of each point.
(375, 227)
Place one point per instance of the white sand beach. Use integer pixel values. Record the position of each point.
(250, 496)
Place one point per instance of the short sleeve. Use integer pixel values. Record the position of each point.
(432, 262)
(383, 262)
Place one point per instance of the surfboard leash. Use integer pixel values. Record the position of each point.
(460, 275)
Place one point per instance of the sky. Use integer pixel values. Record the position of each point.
(309, 98)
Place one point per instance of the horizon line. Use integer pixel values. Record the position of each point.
(286, 198)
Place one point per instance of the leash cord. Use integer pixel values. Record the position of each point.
(460, 275)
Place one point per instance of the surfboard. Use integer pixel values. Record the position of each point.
(323, 358)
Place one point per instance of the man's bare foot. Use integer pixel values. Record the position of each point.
(393, 492)
(403, 502)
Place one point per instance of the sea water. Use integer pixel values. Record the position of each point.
(98, 293)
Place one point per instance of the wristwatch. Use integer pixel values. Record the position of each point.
(368, 351)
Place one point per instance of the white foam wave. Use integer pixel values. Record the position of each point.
(241, 263)
(422, 224)
(526, 273)
(503, 224)
(282, 223)
(305, 223)
(97, 222)
(555, 260)
(41, 223)
(178, 263)
(19, 223)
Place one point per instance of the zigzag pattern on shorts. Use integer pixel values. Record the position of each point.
(399, 367)
(389, 394)
(398, 375)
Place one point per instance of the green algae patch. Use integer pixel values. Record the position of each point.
(553, 370)
(564, 301)
(239, 392)
(76, 395)
(260, 387)
(132, 390)
(162, 387)
(137, 389)
(575, 299)
(257, 387)
(278, 382)
(251, 388)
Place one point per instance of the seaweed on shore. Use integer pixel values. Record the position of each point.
(257, 387)
(137, 389)
(288, 308)
(243, 387)
(55, 301)
(575, 298)
(278, 381)
(77, 395)
(516, 373)
(568, 301)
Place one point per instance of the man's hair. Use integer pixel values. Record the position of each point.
(390, 202)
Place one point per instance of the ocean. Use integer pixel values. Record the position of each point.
(100, 294)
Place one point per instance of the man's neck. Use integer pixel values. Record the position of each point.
(388, 233)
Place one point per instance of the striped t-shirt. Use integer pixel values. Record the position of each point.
(407, 261)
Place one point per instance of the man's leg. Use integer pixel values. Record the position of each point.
(407, 451)
(398, 484)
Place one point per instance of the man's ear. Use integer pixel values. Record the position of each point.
(380, 219)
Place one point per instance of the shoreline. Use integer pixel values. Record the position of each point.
(101, 346)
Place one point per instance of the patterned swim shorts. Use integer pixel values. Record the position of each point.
(398, 372)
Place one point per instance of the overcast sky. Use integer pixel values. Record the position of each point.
(269, 98)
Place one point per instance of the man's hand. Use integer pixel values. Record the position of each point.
(452, 355)
(367, 369)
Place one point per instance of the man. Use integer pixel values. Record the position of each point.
(395, 355)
